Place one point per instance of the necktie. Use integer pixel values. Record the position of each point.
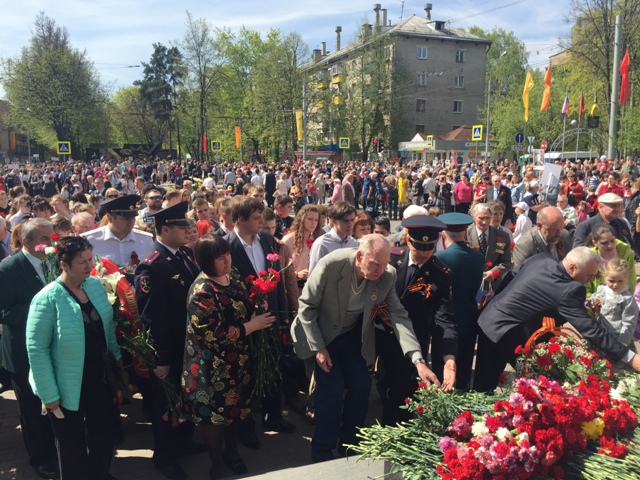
(560, 251)
(483, 242)
(411, 275)
(183, 258)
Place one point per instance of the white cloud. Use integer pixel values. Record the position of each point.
(121, 32)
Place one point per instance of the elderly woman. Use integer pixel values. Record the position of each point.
(604, 242)
(216, 361)
(69, 330)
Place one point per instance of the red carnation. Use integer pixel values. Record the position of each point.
(544, 362)
(512, 245)
(489, 265)
(495, 274)
(310, 241)
(554, 348)
(420, 409)
(55, 237)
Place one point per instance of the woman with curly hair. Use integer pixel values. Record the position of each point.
(304, 230)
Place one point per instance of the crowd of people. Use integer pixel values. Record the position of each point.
(480, 256)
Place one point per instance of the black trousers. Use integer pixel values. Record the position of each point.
(399, 379)
(464, 361)
(89, 428)
(37, 433)
(492, 358)
(167, 440)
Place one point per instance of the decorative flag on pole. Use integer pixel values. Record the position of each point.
(528, 85)
(238, 136)
(204, 143)
(565, 106)
(581, 108)
(624, 75)
(546, 96)
(594, 107)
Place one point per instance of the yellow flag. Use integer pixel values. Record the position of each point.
(594, 107)
(299, 124)
(528, 85)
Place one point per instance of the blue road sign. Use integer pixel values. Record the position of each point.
(519, 137)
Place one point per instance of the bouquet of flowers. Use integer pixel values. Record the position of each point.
(265, 345)
(141, 347)
(566, 359)
(50, 264)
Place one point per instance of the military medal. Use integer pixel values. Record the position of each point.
(374, 295)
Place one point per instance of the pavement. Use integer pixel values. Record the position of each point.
(281, 456)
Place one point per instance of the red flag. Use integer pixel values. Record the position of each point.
(581, 108)
(204, 143)
(624, 74)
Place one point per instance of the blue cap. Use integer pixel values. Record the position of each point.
(456, 222)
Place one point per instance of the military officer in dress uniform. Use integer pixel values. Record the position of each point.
(117, 240)
(424, 289)
(467, 267)
(162, 282)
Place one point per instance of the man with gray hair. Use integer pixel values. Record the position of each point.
(548, 236)
(21, 277)
(82, 222)
(343, 294)
(492, 243)
(542, 287)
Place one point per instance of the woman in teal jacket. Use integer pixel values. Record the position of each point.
(70, 325)
(605, 244)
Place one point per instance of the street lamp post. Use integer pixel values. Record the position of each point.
(486, 144)
(304, 119)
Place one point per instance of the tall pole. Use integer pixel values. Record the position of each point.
(564, 129)
(613, 112)
(304, 119)
(486, 143)
(578, 138)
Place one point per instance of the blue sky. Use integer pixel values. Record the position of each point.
(117, 33)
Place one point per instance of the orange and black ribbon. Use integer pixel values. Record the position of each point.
(421, 285)
(379, 309)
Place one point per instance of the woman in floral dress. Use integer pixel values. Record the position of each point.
(216, 360)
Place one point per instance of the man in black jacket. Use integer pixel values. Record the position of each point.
(249, 249)
(162, 283)
(270, 187)
(541, 287)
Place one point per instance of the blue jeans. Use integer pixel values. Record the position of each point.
(337, 420)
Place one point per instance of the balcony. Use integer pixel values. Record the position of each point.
(323, 84)
(338, 100)
(337, 79)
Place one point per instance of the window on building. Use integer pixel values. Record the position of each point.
(459, 81)
(421, 105)
(460, 54)
(457, 106)
(422, 79)
(387, 52)
(422, 53)
(419, 128)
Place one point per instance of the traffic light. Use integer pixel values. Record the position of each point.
(380, 145)
(376, 145)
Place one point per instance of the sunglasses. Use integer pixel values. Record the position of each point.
(155, 197)
(112, 196)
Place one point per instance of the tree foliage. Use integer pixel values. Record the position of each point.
(53, 89)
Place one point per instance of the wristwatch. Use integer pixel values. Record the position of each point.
(419, 360)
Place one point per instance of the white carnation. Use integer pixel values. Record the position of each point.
(479, 429)
(49, 250)
(503, 434)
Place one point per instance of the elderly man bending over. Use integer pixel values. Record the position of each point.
(343, 294)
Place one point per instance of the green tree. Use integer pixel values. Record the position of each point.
(132, 119)
(158, 89)
(54, 88)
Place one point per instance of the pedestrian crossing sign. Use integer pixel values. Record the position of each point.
(64, 148)
(215, 146)
(477, 133)
(429, 141)
(344, 143)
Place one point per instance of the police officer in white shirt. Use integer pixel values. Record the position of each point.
(117, 240)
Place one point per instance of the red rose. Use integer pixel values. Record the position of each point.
(495, 274)
(55, 237)
(489, 265)
(420, 409)
(554, 348)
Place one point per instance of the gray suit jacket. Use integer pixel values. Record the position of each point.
(323, 305)
(531, 244)
(498, 251)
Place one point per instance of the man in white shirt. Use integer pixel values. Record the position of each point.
(117, 240)
(342, 216)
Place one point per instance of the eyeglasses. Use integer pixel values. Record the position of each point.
(112, 196)
(155, 197)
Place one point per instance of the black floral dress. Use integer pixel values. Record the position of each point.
(216, 360)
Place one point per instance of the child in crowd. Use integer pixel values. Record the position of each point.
(583, 209)
(523, 222)
(617, 305)
(431, 201)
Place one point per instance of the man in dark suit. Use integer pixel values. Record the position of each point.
(270, 187)
(492, 243)
(21, 277)
(162, 283)
(541, 287)
(424, 290)
(249, 249)
(548, 236)
(610, 208)
(467, 267)
(497, 191)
